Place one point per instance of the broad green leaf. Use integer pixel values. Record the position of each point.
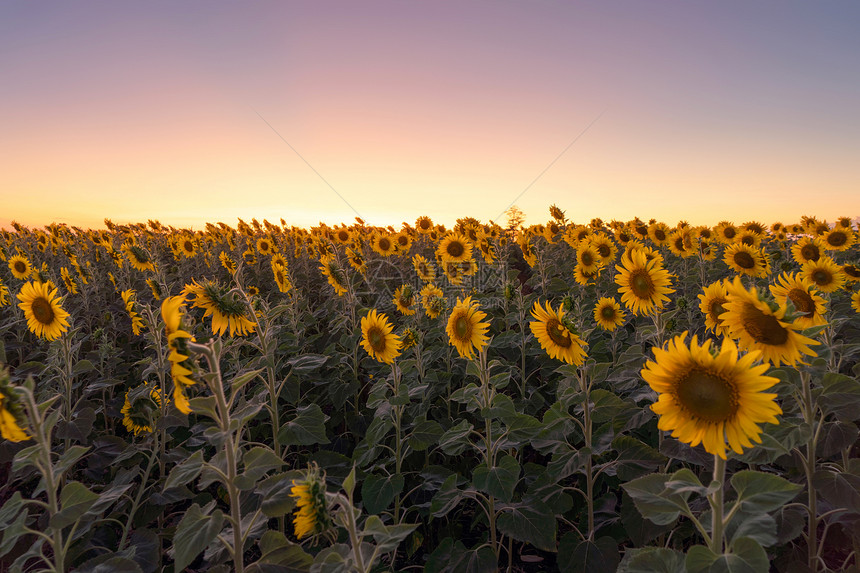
(68, 459)
(387, 537)
(75, 500)
(652, 560)
(747, 556)
(258, 461)
(240, 381)
(840, 396)
(111, 563)
(377, 493)
(533, 522)
(275, 491)
(657, 502)
(577, 556)
(841, 489)
(456, 438)
(349, 483)
(699, 559)
(12, 532)
(186, 472)
(759, 526)
(277, 550)
(424, 434)
(11, 508)
(758, 491)
(306, 429)
(499, 481)
(635, 458)
(446, 498)
(836, 437)
(307, 362)
(194, 533)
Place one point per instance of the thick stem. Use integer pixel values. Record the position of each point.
(716, 500)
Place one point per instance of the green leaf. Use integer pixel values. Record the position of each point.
(377, 493)
(840, 489)
(635, 458)
(499, 481)
(349, 483)
(387, 537)
(258, 461)
(82, 367)
(757, 525)
(10, 509)
(68, 459)
(193, 534)
(533, 522)
(306, 429)
(655, 501)
(275, 491)
(758, 491)
(75, 500)
(12, 532)
(109, 564)
(240, 381)
(836, 437)
(699, 559)
(186, 472)
(277, 550)
(652, 560)
(747, 556)
(424, 434)
(456, 439)
(307, 362)
(576, 556)
(446, 498)
(840, 396)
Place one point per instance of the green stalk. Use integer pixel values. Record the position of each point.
(716, 500)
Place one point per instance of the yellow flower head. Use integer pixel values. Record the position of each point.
(465, 330)
(45, 317)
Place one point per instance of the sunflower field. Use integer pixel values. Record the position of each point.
(624, 396)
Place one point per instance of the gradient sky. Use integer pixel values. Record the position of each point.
(710, 110)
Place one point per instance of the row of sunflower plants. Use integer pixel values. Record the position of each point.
(626, 396)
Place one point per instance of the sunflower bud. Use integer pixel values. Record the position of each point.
(567, 303)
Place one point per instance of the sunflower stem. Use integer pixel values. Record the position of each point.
(716, 500)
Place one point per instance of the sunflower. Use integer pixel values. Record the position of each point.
(608, 314)
(265, 246)
(138, 257)
(838, 239)
(712, 400)
(177, 340)
(454, 248)
(45, 317)
(801, 292)
(749, 238)
(682, 243)
(725, 232)
(334, 274)
(281, 278)
(227, 262)
(529, 253)
(554, 335)
(465, 329)
(402, 242)
(130, 303)
(745, 260)
(404, 298)
(226, 309)
(356, 260)
(585, 276)
(155, 288)
(383, 244)
(755, 326)
(711, 304)
(825, 273)
(20, 267)
(806, 249)
(643, 285)
(4, 294)
(378, 339)
(605, 247)
(587, 258)
(71, 286)
(10, 427)
(488, 250)
(659, 233)
(311, 517)
(279, 260)
(187, 246)
(142, 407)
(433, 300)
(343, 236)
(851, 272)
(424, 225)
(855, 301)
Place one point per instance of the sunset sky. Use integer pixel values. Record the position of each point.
(197, 111)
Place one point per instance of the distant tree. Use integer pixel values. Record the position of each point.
(516, 218)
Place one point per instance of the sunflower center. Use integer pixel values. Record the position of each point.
(763, 328)
(837, 239)
(822, 277)
(716, 308)
(642, 230)
(463, 328)
(587, 259)
(603, 250)
(343, 236)
(729, 233)
(189, 246)
(556, 333)
(42, 310)
(744, 260)
(455, 248)
(608, 312)
(384, 244)
(20, 267)
(809, 253)
(801, 300)
(641, 283)
(748, 240)
(376, 338)
(851, 270)
(707, 396)
(660, 235)
(402, 241)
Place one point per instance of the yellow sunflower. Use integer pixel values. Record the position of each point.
(138, 257)
(227, 262)
(265, 246)
(10, 427)
(851, 272)
(725, 232)
(608, 313)
(433, 300)
(488, 250)
(806, 249)
(659, 233)
(584, 276)
(45, 317)
(838, 239)
(855, 301)
(824, 273)
(454, 248)
(404, 298)
(587, 258)
(187, 246)
(334, 274)
(343, 236)
(128, 297)
(605, 247)
(4, 294)
(225, 307)
(745, 260)
(141, 409)
(383, 244)
(71, 286)
(643, 285)
(177, 340)
(20, 267)
(682, 243)
(554, 335)
(465, 329)
(802, 294)
(378, 339)
(755, 326)
(281, 278)
(711, 304)
(424, 268)
(424, 225)
(311, 516)
(712, 400)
